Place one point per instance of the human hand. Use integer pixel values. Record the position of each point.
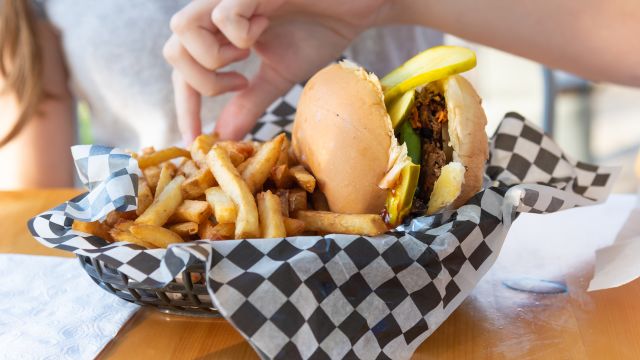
(293, 38)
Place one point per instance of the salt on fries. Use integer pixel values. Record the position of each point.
(220, 190)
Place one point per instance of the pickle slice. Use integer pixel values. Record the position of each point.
(410, 137)
(430, 65)
(400, 199)
(400, 108)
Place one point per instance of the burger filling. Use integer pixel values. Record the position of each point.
(429, 119)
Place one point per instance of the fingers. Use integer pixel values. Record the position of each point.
(197, 49)
(206, 82)
(243, 21)
(201, 39)
(187, 108)
(209, 49)
(241, 113)
(209, 35)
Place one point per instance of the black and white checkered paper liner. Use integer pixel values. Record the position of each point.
(340, 296)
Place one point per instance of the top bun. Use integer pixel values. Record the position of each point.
(343, 134)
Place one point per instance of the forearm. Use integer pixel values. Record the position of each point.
(39, 155)
(592, 38)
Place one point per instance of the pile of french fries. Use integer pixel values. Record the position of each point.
(220, 190)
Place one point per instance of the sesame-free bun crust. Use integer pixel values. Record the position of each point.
(468, 137)
(343, 134)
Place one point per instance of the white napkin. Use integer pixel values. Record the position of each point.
(618, 264)
(51, 309)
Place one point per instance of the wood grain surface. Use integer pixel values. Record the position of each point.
(495, 322)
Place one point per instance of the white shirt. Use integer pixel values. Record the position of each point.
(113, 51)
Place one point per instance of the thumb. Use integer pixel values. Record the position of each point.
(188, 104)
(242, 112)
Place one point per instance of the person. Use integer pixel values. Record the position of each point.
(295, 38)
(109, 55)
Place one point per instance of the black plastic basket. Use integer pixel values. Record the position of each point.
(185, 295)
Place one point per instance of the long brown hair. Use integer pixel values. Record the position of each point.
(20, 61)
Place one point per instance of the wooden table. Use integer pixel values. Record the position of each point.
(495, 322)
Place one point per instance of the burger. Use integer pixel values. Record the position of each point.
(391, 147)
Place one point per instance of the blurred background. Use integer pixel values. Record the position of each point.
(599, 123)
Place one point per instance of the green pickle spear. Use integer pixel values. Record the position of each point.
(410, 137)
(400, 199)
(399, 109)
(430, 65)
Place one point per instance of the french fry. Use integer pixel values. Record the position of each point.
(205, 229)
(247, 223)
(283, 159)
(297, 200)
(124, 225)
(281, 176)
(152, 176)
(116, 217)
(256, 145)
(147, 150)
(167, 172)
(223, 231)
(112, 218)
(165, 205)
(294, 227)
(121, 235)
(257, 171)
(238, 151)
(303, 178)
(200, 147)
(208, 230)
(244, 148)
(128, 215)
(329, 222)
(319, 201)
(195, 185)
(243, 165)
(293, 160)
(95, 228)
(171, 166)
(271, 223)
(155, 235)
(185, 229)
(223, 207)
(283, 194)
(235, 157)
(132, 153)
(191, 210)
(145, 197)
(188, 168)
(160, 156)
